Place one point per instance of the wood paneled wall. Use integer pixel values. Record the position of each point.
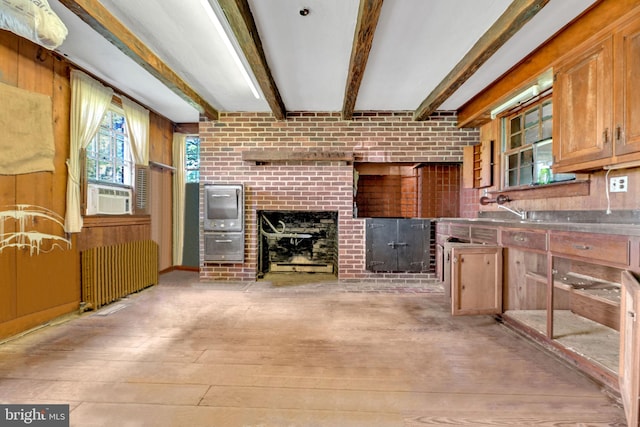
(34, 288)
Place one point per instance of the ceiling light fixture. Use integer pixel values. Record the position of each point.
(545, 81)
(227, 42)
(522, 96)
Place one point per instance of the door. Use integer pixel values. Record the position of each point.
(583, 106)
(627, 90)
(629, 350)
(476, 280)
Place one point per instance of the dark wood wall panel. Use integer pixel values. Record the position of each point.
(35, 287)
(34, 282)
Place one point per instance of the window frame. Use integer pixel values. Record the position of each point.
(188, 170)
(128, 164)
(520, 161)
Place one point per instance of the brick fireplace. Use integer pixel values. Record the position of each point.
(322, 185)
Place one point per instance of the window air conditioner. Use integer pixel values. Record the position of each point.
(103, 199)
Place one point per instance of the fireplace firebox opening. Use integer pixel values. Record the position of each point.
(297, 241)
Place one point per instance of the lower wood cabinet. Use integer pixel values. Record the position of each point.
(476, 280)
(573, 292)
(630, 348)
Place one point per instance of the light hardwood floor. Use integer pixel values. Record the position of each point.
(213, 354)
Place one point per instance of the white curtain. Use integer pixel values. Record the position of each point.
(89, 102)
(137, 119)
(179, 146)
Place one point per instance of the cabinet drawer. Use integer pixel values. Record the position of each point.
(224, 247)
(598, 247)
(535, 240)
(484, 235)
(459, 231)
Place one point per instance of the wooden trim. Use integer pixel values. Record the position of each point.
(509, 23)
(105, 24)
(368, 15)
(594, 21)
(26, 323)
(244, 27)
(188, 128)
(115, 220)
(547, 191)
(302, 156)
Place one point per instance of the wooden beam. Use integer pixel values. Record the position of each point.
(509, 23)
(102, 21)
(368, 15)
(595, 19)
(244, 27)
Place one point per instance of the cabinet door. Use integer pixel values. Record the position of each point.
(629, 347)
(412, 244)
(476, 280)
(381, 253)
(583, 108)
(627, 90)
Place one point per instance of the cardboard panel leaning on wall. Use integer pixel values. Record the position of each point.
(45, 284)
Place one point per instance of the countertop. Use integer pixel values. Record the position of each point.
(628, 229)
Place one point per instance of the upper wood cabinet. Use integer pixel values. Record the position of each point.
(597, 102)
(627, 90)
(583, 108)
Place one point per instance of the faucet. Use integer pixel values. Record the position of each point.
(515, 211)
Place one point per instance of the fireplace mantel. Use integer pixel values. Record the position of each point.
(273, 156)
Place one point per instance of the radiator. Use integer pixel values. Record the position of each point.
(112, 272)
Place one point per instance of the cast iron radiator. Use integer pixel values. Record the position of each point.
(112, 272)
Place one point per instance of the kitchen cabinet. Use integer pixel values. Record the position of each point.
(597, 102)
(630, 348)
(566, 288)
(476, 280)
(471, 264)
(627, 99)
(611, 249)
(583, 108)
(397, 245)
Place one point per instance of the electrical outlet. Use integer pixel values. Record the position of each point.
(618, 184)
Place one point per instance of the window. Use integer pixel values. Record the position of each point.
(108, 155)
(527, 143)
(192, 159)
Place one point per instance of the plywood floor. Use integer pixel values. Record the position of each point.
(213, 354)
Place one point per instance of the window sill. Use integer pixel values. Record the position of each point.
(115, 220)
(553, 190)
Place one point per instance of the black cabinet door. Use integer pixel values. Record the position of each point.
(413, 245)
(397, 245)
(381, 255)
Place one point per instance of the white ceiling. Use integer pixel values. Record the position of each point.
(416, 44)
